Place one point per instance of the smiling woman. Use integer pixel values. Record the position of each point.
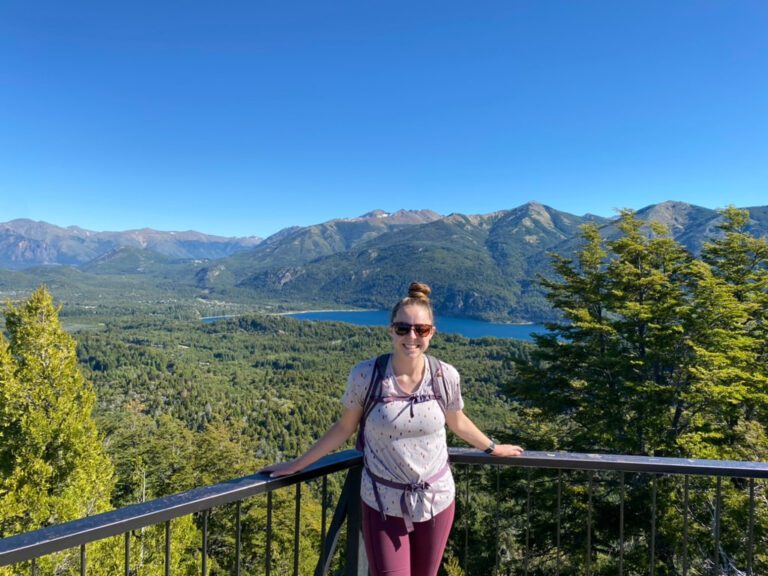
(401, 402)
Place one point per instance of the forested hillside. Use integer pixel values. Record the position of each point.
(279, 378)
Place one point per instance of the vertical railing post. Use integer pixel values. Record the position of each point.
(716, 527)
(127, 554)
(323, 520)
(654, 511)
(268, 553)
(590, 490)
(297, 530)
(622, 499)
(466, 520)
(350, 493)
(526, 558)
(205, 542)
(496, 514)
(751, 530)
(167, 548)
(686, 485)
(238, 537)
(558, 542)
(357, 562)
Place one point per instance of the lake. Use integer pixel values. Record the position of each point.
(464, 326)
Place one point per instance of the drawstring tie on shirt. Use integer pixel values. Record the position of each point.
(414, 399)
(421, 489)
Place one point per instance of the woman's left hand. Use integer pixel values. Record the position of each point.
(507, 450)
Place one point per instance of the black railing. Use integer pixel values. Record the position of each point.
(598, 488)
(549, 554)
(30, 546)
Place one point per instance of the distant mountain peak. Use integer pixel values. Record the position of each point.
(377, 213)
(400, 217)
(676, 215)
(528, 215)
(423, 215)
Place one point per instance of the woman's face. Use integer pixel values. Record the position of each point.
(411, 345)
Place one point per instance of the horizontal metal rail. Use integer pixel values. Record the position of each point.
(70, 534)
(720, 561)
(31, 545)
(620, 463)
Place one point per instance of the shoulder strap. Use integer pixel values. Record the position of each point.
(371, 395)
(441, 392)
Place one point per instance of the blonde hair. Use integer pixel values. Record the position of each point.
(418, 295)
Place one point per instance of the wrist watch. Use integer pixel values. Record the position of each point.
(491, 448)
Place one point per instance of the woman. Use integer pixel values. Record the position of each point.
(407, 487)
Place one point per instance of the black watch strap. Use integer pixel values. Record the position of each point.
(490, 448)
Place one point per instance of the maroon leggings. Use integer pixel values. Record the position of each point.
(393, 552)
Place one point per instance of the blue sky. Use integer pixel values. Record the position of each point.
(243, 117)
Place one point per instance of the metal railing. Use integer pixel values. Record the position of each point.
(599, 488)
(544, 546)
(31, 546)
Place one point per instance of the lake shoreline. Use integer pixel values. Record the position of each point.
(344, 310)
(468, 327)
(320, 311)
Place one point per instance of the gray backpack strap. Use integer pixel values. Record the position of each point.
(440, 390)
(372, 395)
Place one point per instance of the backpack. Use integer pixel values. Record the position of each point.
(373, 394)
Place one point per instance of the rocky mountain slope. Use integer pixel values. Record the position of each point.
(483, 266)
(27, 243)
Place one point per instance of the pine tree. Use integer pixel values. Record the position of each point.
(660, 353)
(53, 467)
(648, 278)
(617, 364)
(9, 417)
(580, 349)
(738, 366)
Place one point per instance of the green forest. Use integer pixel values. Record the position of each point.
(657, 351)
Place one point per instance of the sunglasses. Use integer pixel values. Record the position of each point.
(403, 328)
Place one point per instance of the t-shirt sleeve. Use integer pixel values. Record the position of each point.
(454, 401)
(357, 384)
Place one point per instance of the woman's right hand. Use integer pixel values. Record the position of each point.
(281, 469)
(331, 440)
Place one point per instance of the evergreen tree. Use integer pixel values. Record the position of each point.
(579, 349)
(648, 279)
(661, 354)
(618, 361)
(9, 417)
(53, 467)
(740, 260)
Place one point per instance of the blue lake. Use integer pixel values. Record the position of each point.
(464, 326)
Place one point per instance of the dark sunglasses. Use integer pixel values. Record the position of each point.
(403, 328)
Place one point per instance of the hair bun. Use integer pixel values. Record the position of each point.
(418, 295)
(419, 290)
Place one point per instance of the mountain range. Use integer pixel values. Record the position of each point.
(25, 243)
(481, 266)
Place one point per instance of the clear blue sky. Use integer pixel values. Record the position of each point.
(242, 117)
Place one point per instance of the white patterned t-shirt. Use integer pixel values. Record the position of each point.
(405, 442)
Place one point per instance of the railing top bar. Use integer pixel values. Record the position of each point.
(648, 464)
(62, 536)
